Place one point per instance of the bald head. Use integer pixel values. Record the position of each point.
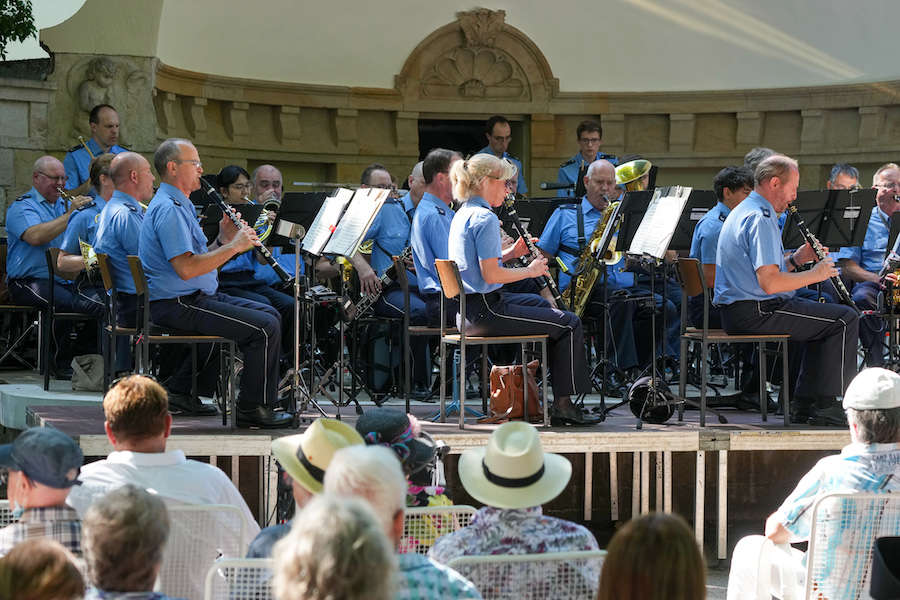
(132, 175)
(47, 175)
(416, 184)
(46, 164)
(267, 183)
(600, 183)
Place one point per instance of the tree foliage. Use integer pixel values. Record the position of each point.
(16, 23)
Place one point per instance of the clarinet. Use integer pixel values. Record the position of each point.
(261, 250)
(820, 254)
(510, 205)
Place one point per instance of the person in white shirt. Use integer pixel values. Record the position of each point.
(138, 424)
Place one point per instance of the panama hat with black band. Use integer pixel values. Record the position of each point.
(306, 456)
(513, 471)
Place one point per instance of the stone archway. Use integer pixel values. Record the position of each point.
(477, 60)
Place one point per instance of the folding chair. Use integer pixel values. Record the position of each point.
(240, 579)
(112, 330)
(423, 525)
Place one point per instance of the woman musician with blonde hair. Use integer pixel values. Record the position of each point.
(481, 183)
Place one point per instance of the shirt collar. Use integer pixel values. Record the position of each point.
(429, 197)
(37, 195)
(147, 459)
(48, 513)
(171, 191)
(124, 198)
(723, 208)
(857, 448)
(761, 200)
(587, 207)
(478, 201)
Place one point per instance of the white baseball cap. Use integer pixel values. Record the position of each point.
(873, 388)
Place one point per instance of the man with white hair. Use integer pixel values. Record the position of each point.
(416, 181)
(869, 464)
(375, 474)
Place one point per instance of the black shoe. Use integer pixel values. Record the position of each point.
(572, 416)
(187, 405)
(263, 417)
(832, 415)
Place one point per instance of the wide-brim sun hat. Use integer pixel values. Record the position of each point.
(513, 471)
(305, 456)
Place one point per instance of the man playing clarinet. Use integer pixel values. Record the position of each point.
(755, 293)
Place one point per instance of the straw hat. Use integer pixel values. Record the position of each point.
(306, 456)
(513, 471)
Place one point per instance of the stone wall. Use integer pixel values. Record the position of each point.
(469, 69)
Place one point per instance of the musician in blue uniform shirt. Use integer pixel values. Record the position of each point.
(731, 185)
(755, 293)
(413, 195)
(499, 134)
(431, 226)
(104, 122)
(480, 183)
(82, 226)
(863, 264)
(589, 135)
(569, 228)
(181, 275)
(118, 233)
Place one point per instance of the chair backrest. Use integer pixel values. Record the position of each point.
(137, 273)
(558, 575)
(690, 275)
(199, 534)
(105, 272)
(5, 513)
(423, 525)
(240, 579)
(52, 255)
(448, 274)
(843, 533)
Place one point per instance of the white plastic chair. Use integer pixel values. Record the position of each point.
(424, 524)
(558, 575)
(843, 533)
(240, 579)
(199, 535)
(5, 513)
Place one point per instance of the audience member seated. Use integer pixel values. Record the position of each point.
(304, 458)
(417, 451)
(374, 474)
(513, 477)
(138, 424)
(335, 549)
(40, 569)
(653, 557)
(868, 464)
(125, 532)
(40, 468)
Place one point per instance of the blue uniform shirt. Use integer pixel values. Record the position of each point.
(475, 236)
(265, 273)
(390, 233)
(23, 259)
(77, 162)
(871, 255)
(706, 234)
(245, 262)
(568, 171)
(521, 186)
(170, 229)
(82, 226)
(562, 230)
(408, 206)
(428, 238)
(118, 235)
(750, 239)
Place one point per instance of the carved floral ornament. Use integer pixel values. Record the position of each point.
(478, 68)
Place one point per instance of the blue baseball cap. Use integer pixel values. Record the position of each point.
(45, 455)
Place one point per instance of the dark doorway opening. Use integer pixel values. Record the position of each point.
(464, 135)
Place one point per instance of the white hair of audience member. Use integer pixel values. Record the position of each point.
(373, 473)
(336, 548)
(123, 536)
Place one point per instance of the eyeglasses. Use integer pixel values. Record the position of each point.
(889, 186)
(60, 178)
(194, 162)
(242, 186)
(508, 182)
(589, 141)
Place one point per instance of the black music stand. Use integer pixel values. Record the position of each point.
(298, 208)
(657, 404)
(836, 217)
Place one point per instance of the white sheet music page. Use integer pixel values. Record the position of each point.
(356, 221)
(658, 225)
(324, 224)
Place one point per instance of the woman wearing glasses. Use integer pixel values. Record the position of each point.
(480, 183)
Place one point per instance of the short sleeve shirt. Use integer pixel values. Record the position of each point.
(475, 236)
(171, 229)
(750, 239)
(22, 259)
(118, 236)
(77, 162)
(390, 233)
(428, 238)
(82, 226)
(706, 234)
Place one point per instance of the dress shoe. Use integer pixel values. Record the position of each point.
(571, 415)
(263, 417)
(832, 415)
(187, 405)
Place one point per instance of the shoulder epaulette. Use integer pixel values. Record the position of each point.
(131, 208)
(605, 156)
(568, 205)
(510, 156)
(24, 196)
(75, 148)
(571, 161)
(125, 148)
(88, 205)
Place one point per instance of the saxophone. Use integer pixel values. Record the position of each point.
(589, 265)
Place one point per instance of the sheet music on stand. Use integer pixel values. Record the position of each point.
(658, 225)
(357, 219)
(326, 222)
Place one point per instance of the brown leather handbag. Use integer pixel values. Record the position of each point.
(508, 397)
